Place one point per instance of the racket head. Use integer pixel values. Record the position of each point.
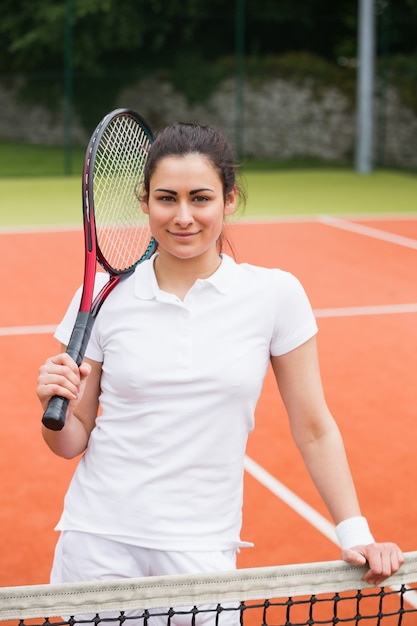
(116, 231)
(112, 185)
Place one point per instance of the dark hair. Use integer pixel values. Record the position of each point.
(181, 139)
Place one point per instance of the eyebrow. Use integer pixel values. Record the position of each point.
(192, 192)
(174, 193)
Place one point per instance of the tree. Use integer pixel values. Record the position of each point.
(130, 34)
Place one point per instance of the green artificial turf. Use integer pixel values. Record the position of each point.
(57, 200)
(34, 190)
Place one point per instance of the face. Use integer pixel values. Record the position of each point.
(186, 206)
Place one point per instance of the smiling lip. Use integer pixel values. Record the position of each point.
(182, 235)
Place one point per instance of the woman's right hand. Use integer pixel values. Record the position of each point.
(60, 376)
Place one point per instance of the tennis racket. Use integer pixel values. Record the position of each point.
(116, 231)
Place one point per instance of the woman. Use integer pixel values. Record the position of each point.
(176, 362)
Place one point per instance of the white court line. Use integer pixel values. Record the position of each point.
(7, 331)
(377, 309)
(368, 231)
(39, 229)
(289, 497)
(306, 218)
(350, 311)
(301, 507)
(244, 219)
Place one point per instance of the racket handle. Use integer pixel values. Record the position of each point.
(55, 414)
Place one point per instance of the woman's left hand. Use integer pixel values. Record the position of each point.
(384, 559)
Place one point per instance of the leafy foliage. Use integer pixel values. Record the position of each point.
(115, 33)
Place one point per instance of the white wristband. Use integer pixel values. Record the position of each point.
(354, 531)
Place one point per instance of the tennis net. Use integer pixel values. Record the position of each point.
(293, 595)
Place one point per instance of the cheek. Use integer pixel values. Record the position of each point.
(156, 217)
(218, 222)
(213, 217)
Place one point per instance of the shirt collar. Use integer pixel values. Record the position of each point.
(146, 285)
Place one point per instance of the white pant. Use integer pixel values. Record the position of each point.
(83, 556)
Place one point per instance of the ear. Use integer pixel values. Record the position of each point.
(143, 203)
(145, 207)
(231, 202)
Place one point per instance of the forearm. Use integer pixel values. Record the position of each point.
(325, 458)
(69, 442)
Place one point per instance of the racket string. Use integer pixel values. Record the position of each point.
(123, 232)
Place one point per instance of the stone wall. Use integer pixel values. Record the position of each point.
(29, 123)
(281, 120)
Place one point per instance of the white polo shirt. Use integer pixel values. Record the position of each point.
(180, 383)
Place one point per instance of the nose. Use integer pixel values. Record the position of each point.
(183, 217)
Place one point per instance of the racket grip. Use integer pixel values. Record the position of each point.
(54, 416)
(56, 411)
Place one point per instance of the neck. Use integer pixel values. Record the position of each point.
(177, 276)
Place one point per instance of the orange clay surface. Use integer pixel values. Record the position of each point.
(368, 367)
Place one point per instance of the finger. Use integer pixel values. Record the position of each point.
(63, 358)
(84, 369)
(384, 560)
(353, 556)
(60, 380)
(61, 364)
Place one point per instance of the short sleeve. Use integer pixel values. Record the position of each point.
(294, 320)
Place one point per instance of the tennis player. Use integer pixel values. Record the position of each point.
(176, 362)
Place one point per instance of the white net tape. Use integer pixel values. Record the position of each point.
(171, 591)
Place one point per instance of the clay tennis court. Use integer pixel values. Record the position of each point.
(360, 276)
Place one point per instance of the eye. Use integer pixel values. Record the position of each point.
(165, 198)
